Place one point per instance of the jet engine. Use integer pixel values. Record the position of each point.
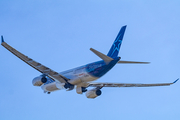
(38, 81)
(93, 93)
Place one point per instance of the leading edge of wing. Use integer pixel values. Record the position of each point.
(129, 84)
(41, 68)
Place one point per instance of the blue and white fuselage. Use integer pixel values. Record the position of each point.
(79, 75)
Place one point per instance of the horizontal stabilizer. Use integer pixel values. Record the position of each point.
(132, 62)
(102, 56)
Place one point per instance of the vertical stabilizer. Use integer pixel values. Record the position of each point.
(113, 52)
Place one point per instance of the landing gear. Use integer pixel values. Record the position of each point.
(84, 89)
(81, 90)
(47, 92)
(69, 86)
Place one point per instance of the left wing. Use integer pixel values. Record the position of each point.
(36, 65)
(100, 85)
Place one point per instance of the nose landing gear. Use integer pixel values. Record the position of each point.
(47, 92)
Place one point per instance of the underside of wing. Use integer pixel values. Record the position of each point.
(128, 84)
(41, 68)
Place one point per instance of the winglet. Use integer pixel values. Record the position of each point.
(176, 80)
(2, 39)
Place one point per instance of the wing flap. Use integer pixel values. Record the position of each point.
(41, 68)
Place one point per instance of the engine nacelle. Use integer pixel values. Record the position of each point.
(38, 81)
(93, 93)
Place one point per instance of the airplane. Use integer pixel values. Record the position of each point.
(81, 78)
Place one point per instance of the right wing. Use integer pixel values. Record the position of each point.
(101, 85)
(41, 68)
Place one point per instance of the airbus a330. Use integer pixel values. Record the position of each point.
(81, 78)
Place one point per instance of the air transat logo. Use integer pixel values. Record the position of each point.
(116, 45)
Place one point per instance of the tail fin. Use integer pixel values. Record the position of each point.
(113, 52)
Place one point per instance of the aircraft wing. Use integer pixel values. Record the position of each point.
(100, 85)
(41, 68)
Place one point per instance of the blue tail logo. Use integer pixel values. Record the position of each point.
(113, 52)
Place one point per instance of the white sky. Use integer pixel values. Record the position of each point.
(59, 34)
